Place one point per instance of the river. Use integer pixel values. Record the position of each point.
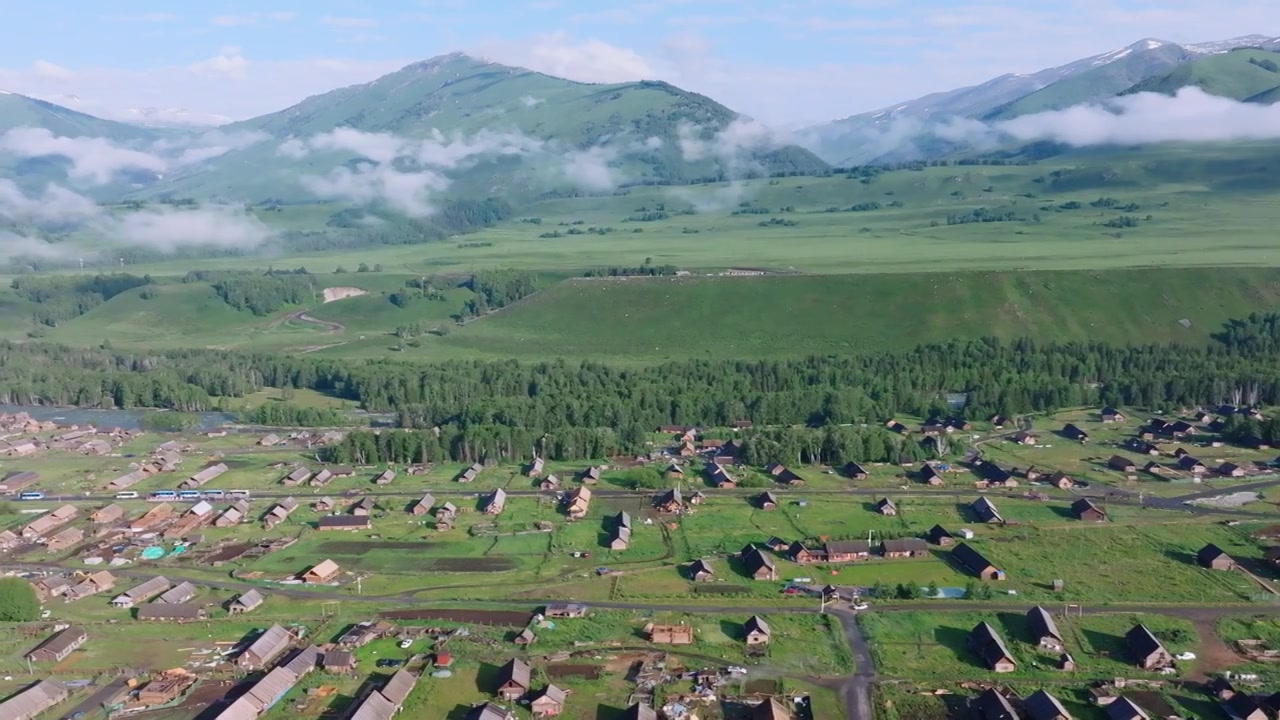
(124, 419)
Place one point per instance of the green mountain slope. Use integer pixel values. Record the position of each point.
(21, 111)
(1096, 83)
(1265, 98)
(1238, 74)
(457, 96)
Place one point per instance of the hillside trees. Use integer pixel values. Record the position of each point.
(265, 294)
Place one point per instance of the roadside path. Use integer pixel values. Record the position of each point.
(305, 316)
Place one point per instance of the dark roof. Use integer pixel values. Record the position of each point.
(515, 671)
(489, 711)
(928, 471)
(1041, 705)
(970, 558)
(886, 502)
(989, 644)
(768, 498)
(1242, 705)
(1125, 709)
(1071, 431)
(1041, 624)
(937, 532)
(756, 560)
(169, 611)
(1142, 642)
(1083, 505)
(755, 623)
(701, 566)
(1209, 553)
(905, 545)
(986, 510)
(993, 472)
(343, 521)
(848, 546)
(991, 705)
(853, 468)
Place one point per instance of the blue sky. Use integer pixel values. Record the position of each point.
(784, 61)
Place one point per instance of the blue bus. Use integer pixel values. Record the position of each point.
(31, 495)
(214, 494)
(163, 495)
(189, 494)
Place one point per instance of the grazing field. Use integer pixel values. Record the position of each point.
(918, 645)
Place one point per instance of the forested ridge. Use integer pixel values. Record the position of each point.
(1001, 377)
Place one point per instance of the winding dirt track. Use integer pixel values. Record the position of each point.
(330, 327)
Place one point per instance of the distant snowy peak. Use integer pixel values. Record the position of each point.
(1221, 46)
(171, 117)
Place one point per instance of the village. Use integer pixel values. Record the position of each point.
(232, 575)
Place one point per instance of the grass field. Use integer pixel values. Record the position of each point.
(935, 644)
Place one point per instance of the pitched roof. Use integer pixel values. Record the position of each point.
(1041, 705)
(270, 643)
(1142, 642)
(771, 709)
(850, 547)
(755, 623)
(61, 641)
(937, 532)
(1041, 624)
(1209, 553)
(399, 686)
(169, 611)
(554, 694)
(515, 671)
(324, 568)
(33, 700)
(986, 510)
(177, 594)
(1083, 505)
(970, 558)
(1125, 709)
(905, 545)
(701, 566)
(989, 644)
(374, 707)
(991, 705)
(249, 599)
(756, 560)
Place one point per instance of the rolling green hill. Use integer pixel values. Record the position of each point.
(652, 320)
(455, 97)
(1238, 74)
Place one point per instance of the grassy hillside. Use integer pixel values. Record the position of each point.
(1230, 74)
(1096, 83)
(21, 111)
(650, 320)
(456, 96)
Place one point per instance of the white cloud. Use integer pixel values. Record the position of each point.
(406, 192)
(50, 71)
(560, 55)
(283, 16)
(348, 22)
(591, 169)
(153, 17)
(55, 205)
(251, 18)
(228, 62)
(98, 229)
(92, 159)
(1191, 115)
(208, 145)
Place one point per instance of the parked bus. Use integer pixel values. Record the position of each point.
(189, 494)
(214, 494)
(160, 495)
(31, 495)
(240, 494)
(127, 495)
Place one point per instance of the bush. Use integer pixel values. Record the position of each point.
(18, 601)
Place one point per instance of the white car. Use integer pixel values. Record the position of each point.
(46, 613)
(861, 606)
(405, 643)
(1186, 656)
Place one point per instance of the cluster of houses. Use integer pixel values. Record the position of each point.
(23, 436)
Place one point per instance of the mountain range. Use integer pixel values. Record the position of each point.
(463, 124)
(910, 130)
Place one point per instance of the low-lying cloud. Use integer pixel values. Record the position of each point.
(98, 161)
(97, 229)
(1192, 115)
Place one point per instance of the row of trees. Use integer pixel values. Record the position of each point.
(62, 298)
(819, 392)
(265, 294)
